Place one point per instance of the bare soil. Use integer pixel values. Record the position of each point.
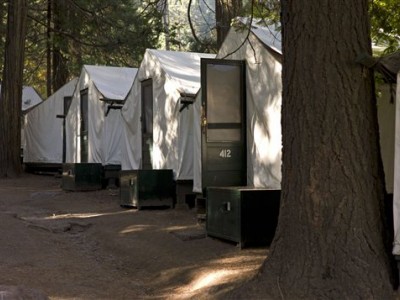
(83, 245)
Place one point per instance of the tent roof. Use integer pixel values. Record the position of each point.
(113, 83)
(269, 35)
(389, 66)
(30, 98)
(181, 67)
(67, 89)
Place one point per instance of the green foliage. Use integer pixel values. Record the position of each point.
(385, 19)
(206, 45)
(385, 23)
(109, 32)
(202, 23)
(114, 32)
(268, 10)
(3, 27)
(103, 32)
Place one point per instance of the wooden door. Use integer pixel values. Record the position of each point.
(223, 123)
(147, 123)
(84, 139)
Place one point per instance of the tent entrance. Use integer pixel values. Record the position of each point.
(67, 104)
(223, 123)
(84, 126)
(147, 123)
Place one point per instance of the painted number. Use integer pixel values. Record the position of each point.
(225, 153)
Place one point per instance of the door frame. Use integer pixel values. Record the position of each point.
(146, 161)
(207, 145)
(84, 156)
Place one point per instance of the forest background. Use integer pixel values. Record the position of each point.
(63, 35)
(344, 209)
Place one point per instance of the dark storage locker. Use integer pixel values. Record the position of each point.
(141, 188)
(245, 215)
(81, 176)
(111, 176)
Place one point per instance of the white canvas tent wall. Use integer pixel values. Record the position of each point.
(30, 98)
(389, 130)
(173, 74)
(396, 189)
(103, 84)
(44, 131)
(263, 55)
(386, 117)
(390, 67)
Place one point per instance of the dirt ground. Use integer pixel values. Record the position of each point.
(83, 245)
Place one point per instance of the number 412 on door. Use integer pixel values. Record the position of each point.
(225, 153)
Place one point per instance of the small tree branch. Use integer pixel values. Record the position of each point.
(191, 24)
(247, 36)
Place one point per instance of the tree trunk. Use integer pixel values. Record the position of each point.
(60, 45)
(3, 27)
(329, 242)
(11, 91)
(225, 11)
(49, 44)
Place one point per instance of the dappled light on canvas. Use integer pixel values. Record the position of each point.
(262, 138)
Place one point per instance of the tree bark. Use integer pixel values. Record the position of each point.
(60, 46)
(11, 91)
(49, 43)
(329, 242)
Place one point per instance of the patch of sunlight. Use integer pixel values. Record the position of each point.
(209, 279)
(240, 259)
(218, 273)
(80, 215)
(268, 145)
(173, 228)
(213, 278)
(135, 228)
(86, 79)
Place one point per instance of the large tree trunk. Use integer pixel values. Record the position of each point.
(57, 45)
(330, 238)
(11, 91)
(60, 45)
(49, 44)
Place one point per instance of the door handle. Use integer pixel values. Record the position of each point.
(203, 120)
(226, 206)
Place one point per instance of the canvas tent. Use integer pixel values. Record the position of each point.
(166, 84)
(30, 98)
(93, 122)
(396, 193)
(262, 54)
(387, 66)
(389, 129)
(389, 123)
(386, 118)
(44, 128)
